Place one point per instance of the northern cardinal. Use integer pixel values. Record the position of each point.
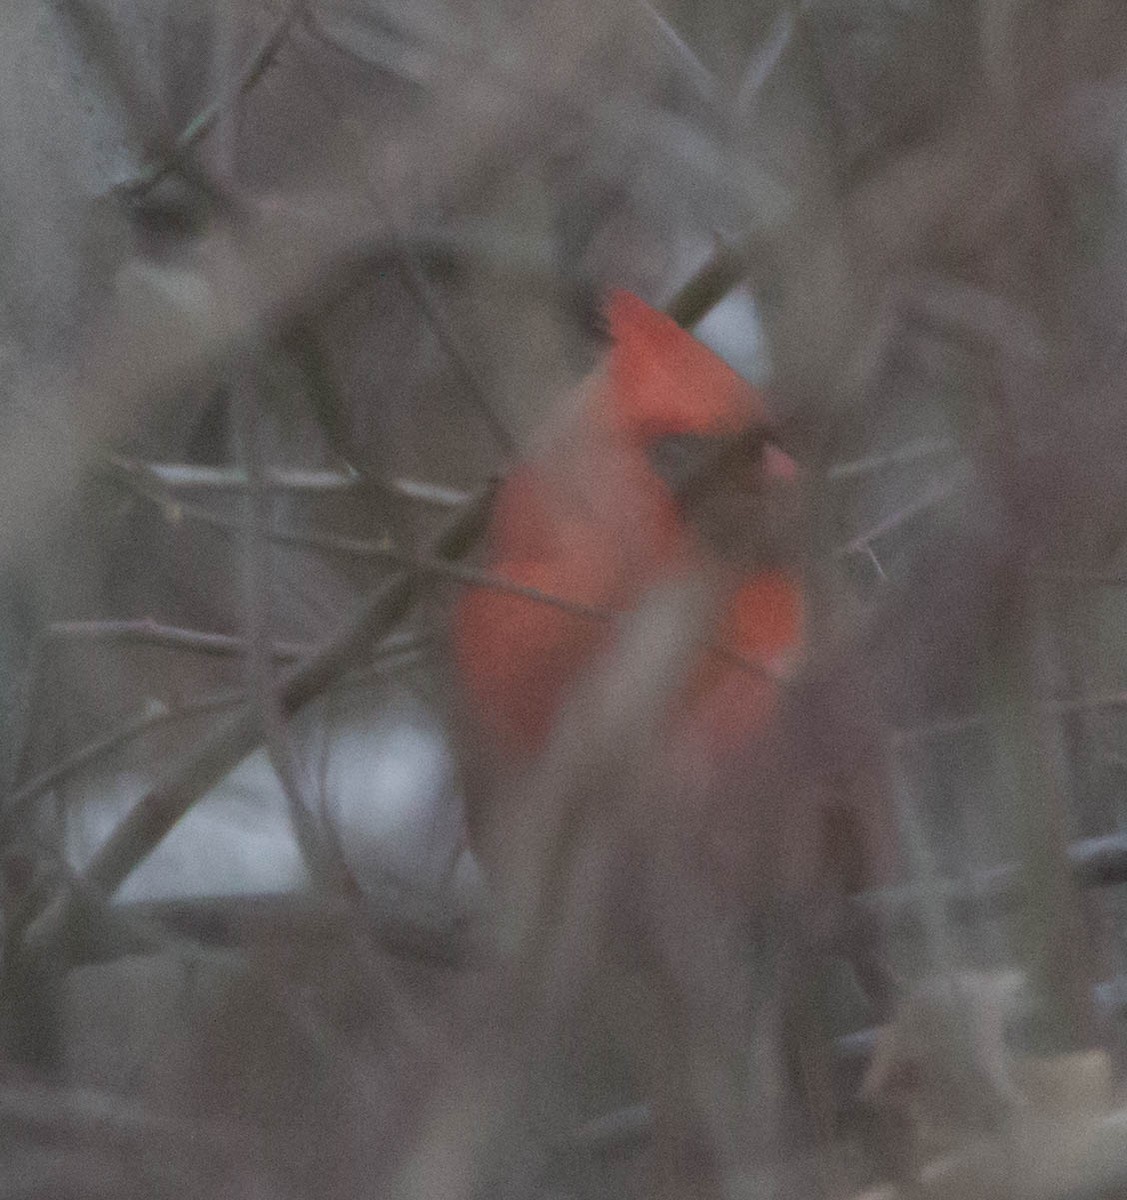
(594, 516)
(665, 465)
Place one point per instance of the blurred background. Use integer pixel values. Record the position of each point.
(285, 288)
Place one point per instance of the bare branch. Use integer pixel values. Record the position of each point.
(434, 494)
(258, 602)
(320, 847)
(703, 79)
(764, 61)
(184, 783)
(440, 568)
(391, 652)
(190, 477)
(419, 285)
(911, 453)
(723, 272)
(204, 122)
(930, 498)
(152, 633)
(152, 717)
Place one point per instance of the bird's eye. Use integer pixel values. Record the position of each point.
(690, 463)
(680, 457)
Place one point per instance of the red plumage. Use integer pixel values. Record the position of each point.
(588, 520)
(739, 823)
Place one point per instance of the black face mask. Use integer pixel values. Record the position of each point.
(724, 491)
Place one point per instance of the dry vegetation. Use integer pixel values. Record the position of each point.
(284, 287)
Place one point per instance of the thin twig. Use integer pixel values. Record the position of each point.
(931, 498)
(258, 602)
(1093, 862)
(186, 781)
(392, 650)
(407, 66)
(434, 494)
(318, 842)
(153, 633)
(723, 272)
(703, 79)
(190, 477)
(151, 718)
(928, 887)
(764, 61)
(419, 285)
(912, 452)
(430, 565)
(206, 120)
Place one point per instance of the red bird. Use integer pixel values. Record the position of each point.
(665, 465)
(598, 515)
